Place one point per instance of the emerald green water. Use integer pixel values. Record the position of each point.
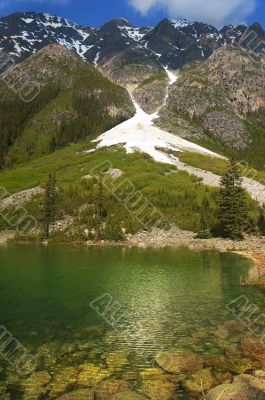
(166, 296)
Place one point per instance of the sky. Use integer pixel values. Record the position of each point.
(95, 13)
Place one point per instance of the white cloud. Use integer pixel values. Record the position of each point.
(216, 12)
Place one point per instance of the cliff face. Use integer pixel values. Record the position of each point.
(216, 97)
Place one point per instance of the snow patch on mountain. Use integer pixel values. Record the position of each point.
(27, 20)
(180, 23)
(139, 134)
(132, 33)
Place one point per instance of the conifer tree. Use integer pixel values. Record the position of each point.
(232, 207)
(50, 205)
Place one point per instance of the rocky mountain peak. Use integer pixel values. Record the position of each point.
(119, 45)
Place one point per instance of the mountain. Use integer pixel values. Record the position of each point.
(201, 86)
(75, 101)
(22, 34)
(225, 107)
(171, 43)
(221, 99)
(134, 57)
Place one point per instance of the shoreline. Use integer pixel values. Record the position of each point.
(251, 247)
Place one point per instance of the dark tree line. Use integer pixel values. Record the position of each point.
(90, 100)
(14, 115)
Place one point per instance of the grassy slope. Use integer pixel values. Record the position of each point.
(163, 186)
(177, 195)
(219, 166)
(215, 165)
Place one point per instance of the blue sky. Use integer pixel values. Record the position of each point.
(144, 12)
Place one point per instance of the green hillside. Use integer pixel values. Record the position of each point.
(180, 197)
(75, 102)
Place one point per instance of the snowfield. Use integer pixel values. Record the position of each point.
(139, 134)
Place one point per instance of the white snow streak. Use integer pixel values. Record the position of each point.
(96, 59)
(139, 134)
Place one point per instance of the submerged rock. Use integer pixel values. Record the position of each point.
(47, 355)
(254, 348)
(107, 388)
(129, 395)
(179, 361)
(223, 377)
(36, 386)
(234, 327)
(199, 382)
(159, 389)
(81, 394)
(151, 374)
(63, 381)
(91, 374)
(244, 387)
(233, 351)
(221, 332)
(116, 360)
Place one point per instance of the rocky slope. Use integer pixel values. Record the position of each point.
(219, 98)
(73, 101)
(134, 57)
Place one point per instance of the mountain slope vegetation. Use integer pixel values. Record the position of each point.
(220, 103)
(180, 197)
(75, 101)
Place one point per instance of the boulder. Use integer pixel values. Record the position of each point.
(223, 377)
(221, 332)
(234, 327)
(128, 395)
(234, 365)
(179, 361)
(154, 374)
(199, 382)
(63, 381)
(91, 374)
(233, 351)
(244, 387)
(233, 391)
(116, 360)
(159, 389)
(107, 388)
(251, 381)
(81, 394)
(36, 386)
(254, 348)
(151, 374)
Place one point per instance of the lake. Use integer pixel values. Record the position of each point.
(108, 313)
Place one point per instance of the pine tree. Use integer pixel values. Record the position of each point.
(261, 221)
(232, 208)
(50, 205)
